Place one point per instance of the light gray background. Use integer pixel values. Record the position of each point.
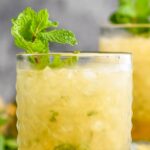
(81, 16)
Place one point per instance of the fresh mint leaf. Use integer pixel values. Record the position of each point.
(61, 36)
(32, 47)
(21, 25)
(3, 120)
(91, 113)
(41, 22)
(142, 8)
(26, 27)
(58, 61)
(65, 147)
(39, 61)
(11, 144)
(2, 143)
(53, 115)
(132, 12)
(32, 32)
(70, 61)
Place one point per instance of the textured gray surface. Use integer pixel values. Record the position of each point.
(81, 16)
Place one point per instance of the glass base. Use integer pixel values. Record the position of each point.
(140, 146)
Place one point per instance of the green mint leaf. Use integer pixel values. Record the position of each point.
(133, 12)
(58, 61)
(65, 147)
(129, 11)
(53, 115)
(32, 32)
(143, 9)
(37, 46)
(3, 121)
(30, 28)
(41, 22)
(2, 143)
(21, 25)
(11, 143)
(61, 36)
(91, 113)
(39, 61)
(26, 27)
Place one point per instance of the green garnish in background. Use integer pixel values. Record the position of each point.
(32, 31)
(6, 143)
(132, 12)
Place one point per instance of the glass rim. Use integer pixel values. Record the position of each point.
(124, 58)
(127, 25)
(81, 54)
(71, 53)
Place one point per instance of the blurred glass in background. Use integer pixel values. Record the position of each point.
(120, 38)
(130, 32)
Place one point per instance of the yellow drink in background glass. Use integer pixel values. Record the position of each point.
(118, 39)
(86, 106)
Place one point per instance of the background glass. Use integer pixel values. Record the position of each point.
(135, 39)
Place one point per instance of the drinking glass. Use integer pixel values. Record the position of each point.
(77, 102)
(134, 38)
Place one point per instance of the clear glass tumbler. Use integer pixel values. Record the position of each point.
(84, 103)
(135, 39)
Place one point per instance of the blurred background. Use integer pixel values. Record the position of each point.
(83, 17)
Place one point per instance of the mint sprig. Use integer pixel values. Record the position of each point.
(68, 146)
(132, 12)
(65, 146)
(58, 61)
(61, 36)
(33, 31)
(5, 141)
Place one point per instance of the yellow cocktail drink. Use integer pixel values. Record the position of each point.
(86, 106)
(120, 40)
